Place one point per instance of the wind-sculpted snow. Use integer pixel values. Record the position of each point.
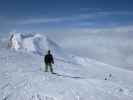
(22, 75)
(35, 43)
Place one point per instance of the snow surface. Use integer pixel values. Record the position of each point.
(22, 75)
(115, 49)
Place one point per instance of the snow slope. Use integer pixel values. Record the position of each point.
(22, 76)
(113, 49)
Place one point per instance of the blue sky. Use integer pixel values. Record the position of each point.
(60, 17)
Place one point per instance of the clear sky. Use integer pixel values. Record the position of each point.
(62, 16)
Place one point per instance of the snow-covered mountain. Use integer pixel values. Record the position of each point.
(35, 43)
(22, 75)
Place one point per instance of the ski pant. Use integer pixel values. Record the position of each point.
(48, 65)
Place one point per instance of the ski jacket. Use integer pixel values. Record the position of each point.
(48, 59)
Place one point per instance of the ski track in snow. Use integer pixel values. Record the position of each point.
(27, 81)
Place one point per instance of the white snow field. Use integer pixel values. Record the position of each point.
(22, 75)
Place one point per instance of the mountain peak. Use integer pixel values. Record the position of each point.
(31, 42)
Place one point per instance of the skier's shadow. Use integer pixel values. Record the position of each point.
(68, 76)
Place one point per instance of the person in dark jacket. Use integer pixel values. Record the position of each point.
(48, 59)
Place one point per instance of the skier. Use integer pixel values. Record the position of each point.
(48, 59)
